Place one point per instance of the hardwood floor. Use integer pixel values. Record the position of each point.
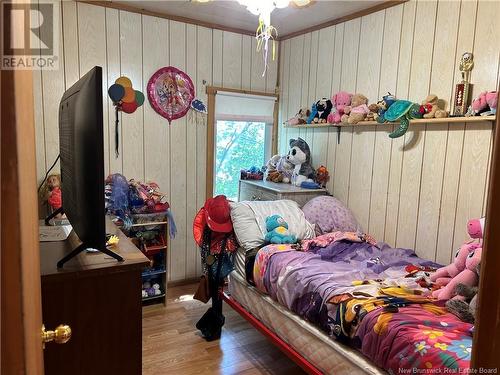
(172, 345)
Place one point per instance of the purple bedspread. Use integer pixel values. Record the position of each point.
(355, 291)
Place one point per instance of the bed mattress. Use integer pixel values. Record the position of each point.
(326, 354)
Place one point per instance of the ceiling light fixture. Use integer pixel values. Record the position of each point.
(265, 31)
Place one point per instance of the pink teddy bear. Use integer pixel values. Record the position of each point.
(484, 100)
(445, 274)
(467, 277)
(340, 100)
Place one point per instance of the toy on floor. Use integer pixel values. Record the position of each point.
(485, 104)
(465, 308)
(323, 108)
(340, 100)
(357, 111)
(300, 117)
(402, 111)
(279, 169)
(277, 231)
(300, 156)
(431, 108)
(467, 277)
(322, 176)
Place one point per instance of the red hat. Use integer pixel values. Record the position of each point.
(217, 213)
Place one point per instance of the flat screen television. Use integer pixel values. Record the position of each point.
(81, 149)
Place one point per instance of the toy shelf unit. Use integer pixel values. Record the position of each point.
(149, 232)
(415, 121)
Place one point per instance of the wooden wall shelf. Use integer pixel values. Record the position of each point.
(418, 121)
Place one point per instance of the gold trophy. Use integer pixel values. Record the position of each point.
(463, 89)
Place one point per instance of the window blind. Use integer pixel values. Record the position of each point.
(244, 107)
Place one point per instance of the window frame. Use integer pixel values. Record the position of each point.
(211, 130)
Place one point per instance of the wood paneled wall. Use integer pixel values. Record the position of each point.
(417, 191)
(130, 44)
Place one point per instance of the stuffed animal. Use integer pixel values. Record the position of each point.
(300, 117)
(323, 108)
(340, 100)
(444, 274)
(279, 169)
(300, 156)
(485, 103)
(51, 193)
(465, 308)
(322, 176)
(475, 228)
(312, 114)
(357, 111)
(277, 231)
(431, 108)
(383, 105)
(467, 277)
(372, 115)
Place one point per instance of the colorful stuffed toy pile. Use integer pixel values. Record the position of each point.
(125, 198)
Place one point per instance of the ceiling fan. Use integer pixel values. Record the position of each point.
(265, 31)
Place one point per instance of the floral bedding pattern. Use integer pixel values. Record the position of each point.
(360, 293)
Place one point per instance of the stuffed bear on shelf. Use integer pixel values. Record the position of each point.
(357, 111)
(340, 100)
(323, 108)
(431, 107)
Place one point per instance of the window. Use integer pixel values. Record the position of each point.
(239, 145)
(242, 137)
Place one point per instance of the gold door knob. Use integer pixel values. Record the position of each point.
(60, 335)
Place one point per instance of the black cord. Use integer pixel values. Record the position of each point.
(47, 174)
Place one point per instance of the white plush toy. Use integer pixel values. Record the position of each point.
(300, 156)
(157, 289)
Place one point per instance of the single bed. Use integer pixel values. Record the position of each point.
(345, 304)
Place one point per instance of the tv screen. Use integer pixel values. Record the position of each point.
(81, 150)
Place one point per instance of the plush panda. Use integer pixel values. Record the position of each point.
(323, 107)
(300, 156)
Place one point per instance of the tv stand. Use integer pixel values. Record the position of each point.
(81, 248)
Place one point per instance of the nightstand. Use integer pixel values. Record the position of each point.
(258, 190)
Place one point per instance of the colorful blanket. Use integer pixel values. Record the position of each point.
(360, 292)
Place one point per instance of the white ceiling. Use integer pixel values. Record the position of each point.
(231, 14)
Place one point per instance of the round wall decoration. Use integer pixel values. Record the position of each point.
(170, 92)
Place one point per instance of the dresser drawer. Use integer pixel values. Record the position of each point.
(254, 193)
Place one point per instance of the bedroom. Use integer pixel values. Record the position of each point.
(417, 191)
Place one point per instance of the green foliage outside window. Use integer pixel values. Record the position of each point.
(240, 145)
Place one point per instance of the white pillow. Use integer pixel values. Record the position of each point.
(249, 220)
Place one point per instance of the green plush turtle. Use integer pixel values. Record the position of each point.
(404, 111)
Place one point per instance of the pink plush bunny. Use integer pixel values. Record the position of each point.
(467, 277)
(487, 100)
(340, 100)
(444, 274)
(475, 227)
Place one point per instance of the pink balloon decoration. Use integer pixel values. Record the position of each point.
(170, 92)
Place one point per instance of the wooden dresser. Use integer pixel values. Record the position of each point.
(100, 299)
(254, 190)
